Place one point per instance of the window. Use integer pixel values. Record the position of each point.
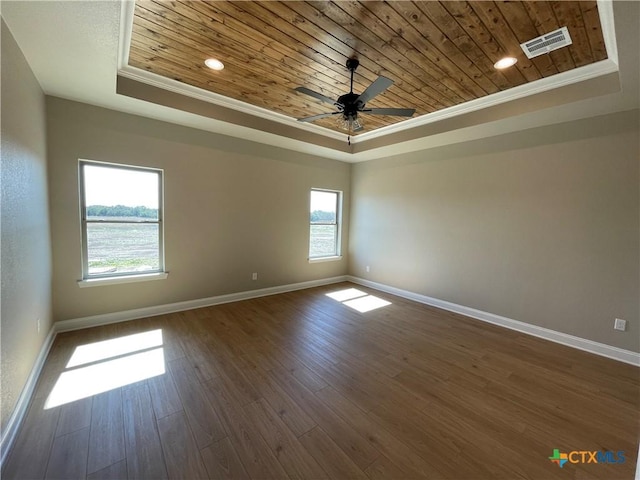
(324, 219)
(121, 209)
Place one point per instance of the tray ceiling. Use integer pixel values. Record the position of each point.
(439, 54)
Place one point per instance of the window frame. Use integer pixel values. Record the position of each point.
(337, 254)
(118, 277)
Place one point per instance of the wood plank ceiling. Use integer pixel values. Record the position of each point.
(438, 54)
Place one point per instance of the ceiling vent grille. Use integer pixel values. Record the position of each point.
(546, 43)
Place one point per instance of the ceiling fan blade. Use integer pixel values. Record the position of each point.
(400, 112)
(317, 95)
(317, 117)
(377, 87)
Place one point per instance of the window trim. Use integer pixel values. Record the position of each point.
(100, 281)
(121, 277)
(337, 254)
(332, 258)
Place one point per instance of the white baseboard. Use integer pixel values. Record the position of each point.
(19, 412)
(590, 346)
(107, 318)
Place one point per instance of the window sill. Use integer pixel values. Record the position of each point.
(98, 282)
(334, 258)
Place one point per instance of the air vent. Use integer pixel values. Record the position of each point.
(546, 43)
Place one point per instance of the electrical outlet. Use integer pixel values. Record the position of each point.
(254, 276)
(620, 324)
(38, 325)
(367, 268)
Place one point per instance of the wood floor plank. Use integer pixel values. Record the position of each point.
(383, 469)
(255, 454)
(389, 445)
(181, 453)
(429, 440)
(355, 446)
(290, 453)
(222, 461)
(203, 420)
(69, 456)
(116, 471)
(297, 368)
(164, 395)
(202, 361)
(106, 439)
(257, 357)
(372, 391)
(187, 328)
(287, 409)
(143, 450)
(241, 387)
(329, 455)
(74, 416)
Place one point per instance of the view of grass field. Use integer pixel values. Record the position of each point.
(122, 247)
(133, 247)
(323, 240)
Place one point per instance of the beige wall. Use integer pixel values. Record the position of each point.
(232, 207)
(26, 255)
(540, 226)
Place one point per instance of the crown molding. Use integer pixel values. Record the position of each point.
(180, 88)
(605, 11)
(522, 91)
(127, 8)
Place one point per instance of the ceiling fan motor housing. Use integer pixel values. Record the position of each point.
(352, 64)
(350, 104)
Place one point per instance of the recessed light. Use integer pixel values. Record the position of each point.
(505, 62)
(214, 64)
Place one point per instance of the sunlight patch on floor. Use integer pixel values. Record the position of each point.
(366, 304)
(93, 352)
(346, 294)
(101, 377)
(358, 300)
(98, 367)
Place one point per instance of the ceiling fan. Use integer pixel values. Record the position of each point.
(350, 104)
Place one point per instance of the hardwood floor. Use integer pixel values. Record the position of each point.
(300, 385)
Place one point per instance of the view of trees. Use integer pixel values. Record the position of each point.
(121, 211)
(322, 216)
(146, 212)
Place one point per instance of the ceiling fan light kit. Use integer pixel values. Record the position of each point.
(351, 104)
(350, 124)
